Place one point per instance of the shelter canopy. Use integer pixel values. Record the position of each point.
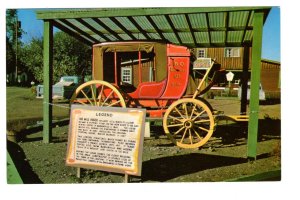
(189, 26)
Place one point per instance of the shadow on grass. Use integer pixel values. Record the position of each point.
(167, 168)
(25, 170)
(233, 133)
(38, 128)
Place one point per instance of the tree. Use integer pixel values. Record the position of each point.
(13, 34)
(13, 26)
(31, 56)
(70, 57)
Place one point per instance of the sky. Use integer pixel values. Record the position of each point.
(271, 32)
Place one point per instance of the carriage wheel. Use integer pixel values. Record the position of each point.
(189, 123)
(98, 93)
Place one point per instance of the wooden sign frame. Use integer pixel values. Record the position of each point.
(106, 138)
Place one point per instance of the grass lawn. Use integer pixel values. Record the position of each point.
(22, 105)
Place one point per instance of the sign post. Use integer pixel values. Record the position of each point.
(229, 77)
(106, 138)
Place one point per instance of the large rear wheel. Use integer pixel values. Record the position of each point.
(98, 93)
(189, 123)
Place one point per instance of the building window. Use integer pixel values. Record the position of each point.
(232, 52)
(201, 53)
(126, 75)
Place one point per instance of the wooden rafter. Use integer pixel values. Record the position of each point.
(208, 28)
(79, 30)
(226, 27)
(245, 30)
(173, 28)
(93, 29)
(139, 28)
(71, 33)
(109, 30)
(122, 27)
(191, 29)
(156, 28)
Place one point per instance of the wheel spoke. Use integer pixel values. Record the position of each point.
(174, 125)
(114, 103)
(198, 115)
(93, 94)
(186, 112)
(204, 129)
(183, 136)
(197, 134)
(202, 121)
(175, 118)
(179, 130)
(86, 96)
(190, 136)
(107, 97)
(100, 96)
(179, 112)
(193, 111)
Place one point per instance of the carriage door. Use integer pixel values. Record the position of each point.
(178, 73)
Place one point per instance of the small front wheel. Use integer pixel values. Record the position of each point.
(189, 123)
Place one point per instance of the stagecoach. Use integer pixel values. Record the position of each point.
(158, 77)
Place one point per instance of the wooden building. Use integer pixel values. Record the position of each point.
(233, 59)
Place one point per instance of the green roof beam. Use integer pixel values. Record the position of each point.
(126, 12)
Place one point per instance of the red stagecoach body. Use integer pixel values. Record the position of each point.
(159, 72)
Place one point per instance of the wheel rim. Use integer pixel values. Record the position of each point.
(98, 93)
(189, 123)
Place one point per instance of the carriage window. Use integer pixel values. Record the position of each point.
(126, 75)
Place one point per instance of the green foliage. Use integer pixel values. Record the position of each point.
(10, 57)
(32, 57)
(70, 56)
(13, 26)
(13, 33)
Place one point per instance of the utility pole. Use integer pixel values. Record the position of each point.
(16, 49)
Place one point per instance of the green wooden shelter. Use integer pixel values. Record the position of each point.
(189, 26)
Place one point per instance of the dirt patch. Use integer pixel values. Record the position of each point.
(223, 158)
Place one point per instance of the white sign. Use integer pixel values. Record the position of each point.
(229, 76)
(202, 63)
(108, 139)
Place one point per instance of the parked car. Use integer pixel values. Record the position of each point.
(262, 95)
(62, 89)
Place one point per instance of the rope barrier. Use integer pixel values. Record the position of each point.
(61, 106)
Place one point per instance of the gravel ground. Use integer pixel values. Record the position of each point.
(223, 158)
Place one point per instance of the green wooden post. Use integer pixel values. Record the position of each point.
(47, 107)
(255, 81)
(244, 81)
